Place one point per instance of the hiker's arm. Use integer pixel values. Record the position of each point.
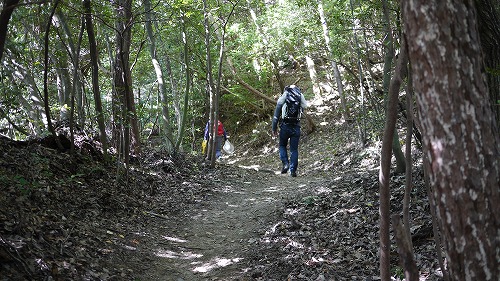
(303, 102)
(277, 111)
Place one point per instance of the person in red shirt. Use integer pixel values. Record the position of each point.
(221, 135)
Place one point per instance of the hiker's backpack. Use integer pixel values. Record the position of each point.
(292, 110)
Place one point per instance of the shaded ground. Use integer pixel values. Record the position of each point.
(72, 218)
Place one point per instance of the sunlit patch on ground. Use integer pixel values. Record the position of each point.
(177, 255)
(216, 263)
(174, 239)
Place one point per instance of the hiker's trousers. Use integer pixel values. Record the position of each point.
(290, 132)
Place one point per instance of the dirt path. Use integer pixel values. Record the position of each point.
(215, 240)
(170, 222)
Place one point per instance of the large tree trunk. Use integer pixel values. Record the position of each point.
(460, 134)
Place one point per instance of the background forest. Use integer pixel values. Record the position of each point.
(111, 79)
(129, 69)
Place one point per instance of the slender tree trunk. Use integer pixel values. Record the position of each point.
(95, 75)
(362, 122)
(76, 66)
(460, 134)
(64, 87)
(334, 66)
(132, 113)
(120, 79)
(67, 85)
(385, 165)
(74, 86)
(182, 126)
(159, 76)
(389, 47)
(213, 120)
(346, 113)
(45, 79)
(123, 79)
(76, 92)
(222, 48)
(408, 175)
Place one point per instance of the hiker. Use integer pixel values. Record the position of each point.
(221, 135)
(287, 113)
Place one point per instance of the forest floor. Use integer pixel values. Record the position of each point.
(66, 217)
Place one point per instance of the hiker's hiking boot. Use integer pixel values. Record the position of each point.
(293, 174)
(285, 169)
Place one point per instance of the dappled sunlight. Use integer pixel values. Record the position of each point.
(174, 239)
(294, 244)
(286, 241)
(291, 211)
(273, 189)
(232, 205)
(250, 167)
(130, 248)
(162, 253)
(141, 234)
(323, 190)
(231, 189)
(216, 263)
(254, 200)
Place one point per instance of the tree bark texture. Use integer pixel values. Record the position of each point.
(460, 136)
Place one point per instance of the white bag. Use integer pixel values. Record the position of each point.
(228, 147)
